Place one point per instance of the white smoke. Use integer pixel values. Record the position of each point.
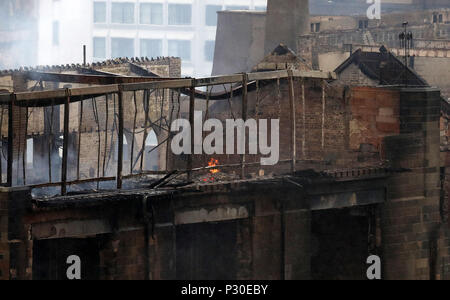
(18, 33)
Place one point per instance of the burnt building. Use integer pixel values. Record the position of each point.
(360, 172)
(31, 154)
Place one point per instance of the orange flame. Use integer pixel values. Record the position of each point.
(212, 163)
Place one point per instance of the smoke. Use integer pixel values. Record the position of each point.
(32, 31)
(18, 33)
(64, 27)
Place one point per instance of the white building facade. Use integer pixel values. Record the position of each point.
(134, 28)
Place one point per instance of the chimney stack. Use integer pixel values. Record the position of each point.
(286, 20)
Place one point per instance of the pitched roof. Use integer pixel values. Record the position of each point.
(282, 58)
(386, 68)
(383, 67)
(93, 66)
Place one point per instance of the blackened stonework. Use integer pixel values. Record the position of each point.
(4, 246)
(411, 220)
(14, 240)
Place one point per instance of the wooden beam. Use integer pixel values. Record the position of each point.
(323, 113)
(80, 129)
(95, 90)
(191, 121)
(9, 171)
(110, 83)
(314, 74)
(40, 95)
(120, 141)
(218, 80)
(304, 119)
(65, 145)
(267, 75)
(173, 84)
(89, 79)
(293, 121)
(145, 173)
(244, 117)
(75, 182)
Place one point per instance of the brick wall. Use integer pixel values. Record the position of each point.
(344, 127)
(354, 76)
(375, 115)
(36, 128)
(14, 239)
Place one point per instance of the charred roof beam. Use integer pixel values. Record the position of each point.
(89, 79)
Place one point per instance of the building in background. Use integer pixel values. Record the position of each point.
(18, 33)
(152, 28)
(139, 28)
(364, 170)
(359, 7)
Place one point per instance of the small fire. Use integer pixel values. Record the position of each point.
(213, 163)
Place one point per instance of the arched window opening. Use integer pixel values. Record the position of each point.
(30, 152)
(60, 148)
(152, 140)
(151, 152)
(126, 151)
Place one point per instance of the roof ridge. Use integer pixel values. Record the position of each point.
(73, 66)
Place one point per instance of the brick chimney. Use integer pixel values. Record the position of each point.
(286, 20)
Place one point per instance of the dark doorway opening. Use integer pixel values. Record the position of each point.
(50, 258)
(207, 251)
(340, 244)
